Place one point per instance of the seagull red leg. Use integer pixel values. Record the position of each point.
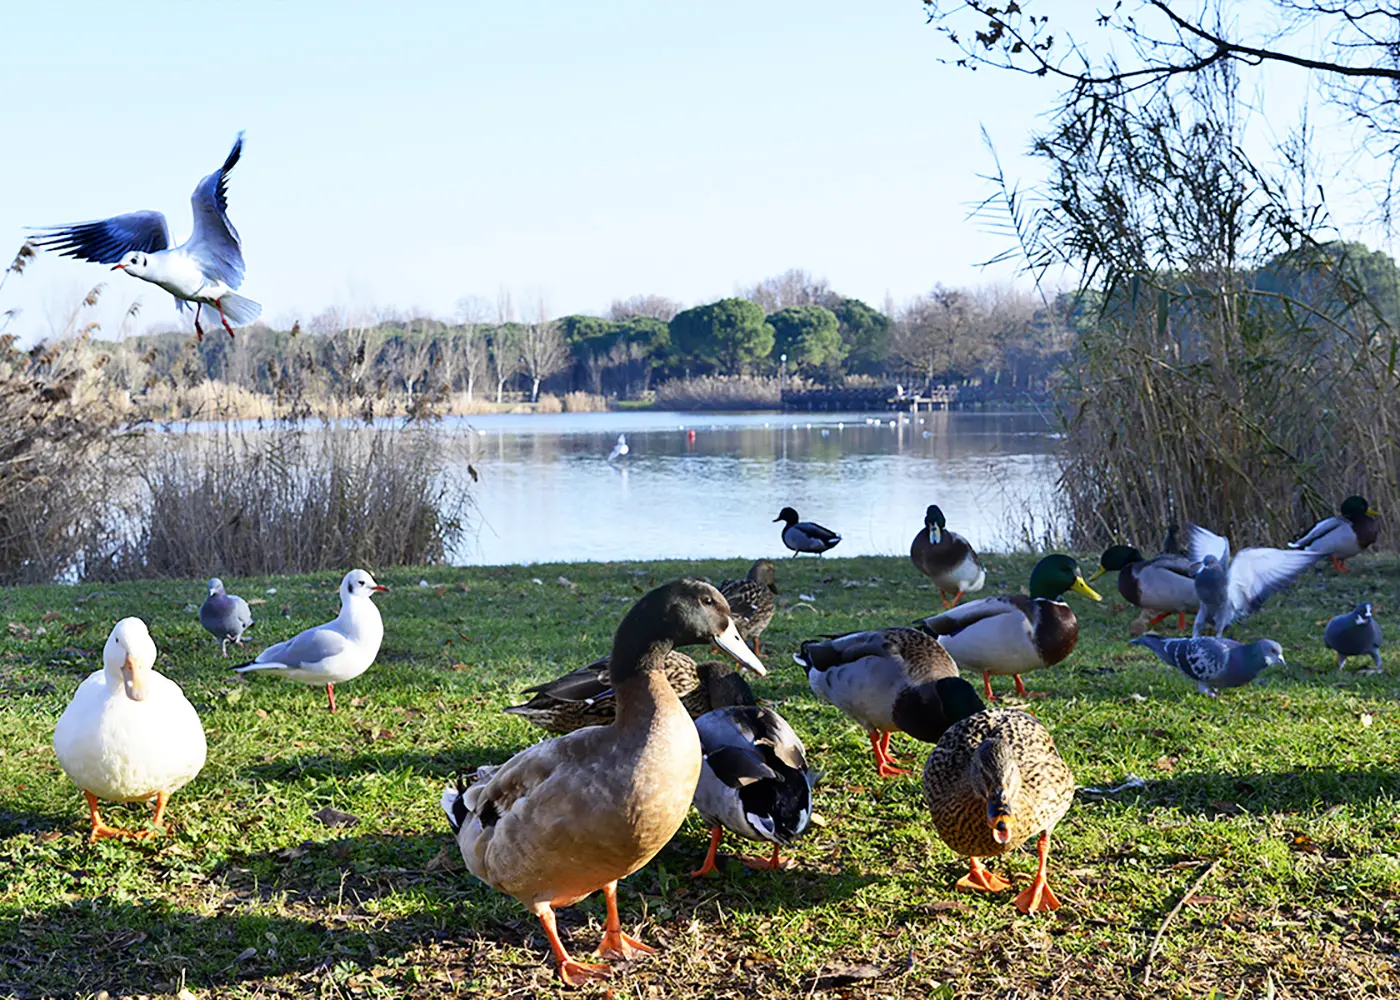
(330, 695)
(222, 318)
(198, 330)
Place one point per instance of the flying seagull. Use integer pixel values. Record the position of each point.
(620, 449)
(205, 269)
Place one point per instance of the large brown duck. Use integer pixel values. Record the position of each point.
(572, 815)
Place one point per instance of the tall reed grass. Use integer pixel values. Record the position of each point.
(720, 392)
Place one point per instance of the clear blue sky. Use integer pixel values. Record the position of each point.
(408, 155)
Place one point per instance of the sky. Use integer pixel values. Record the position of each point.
(410, 155)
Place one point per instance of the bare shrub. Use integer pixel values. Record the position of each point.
(721, 392)
(584, 402)
(549, 403)
(297, 498)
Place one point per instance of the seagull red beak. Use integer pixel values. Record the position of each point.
(379, 589)
(118, 267)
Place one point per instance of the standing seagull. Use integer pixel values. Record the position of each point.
(205, 269)
(620, 449)
(1230, 589)
(339, 650)
(226, 617)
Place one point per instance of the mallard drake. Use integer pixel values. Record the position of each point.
(584, 697)
(1171, 544)
(1215, 663)
(805, 536)
(225, 616)
(993, 781)
(754, 782)
(129, 735)
(572, 815)
(1231, 589)
(1340, 538)
(751, 600)
(1356, 633)
(1014, 634)
(1163, 584)
(946, 558)
(887, 680)
(338, 651)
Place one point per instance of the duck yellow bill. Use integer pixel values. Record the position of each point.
(731, 643)
(1372, 512)
(1097, 573)
(135, 680)
(1083, 589)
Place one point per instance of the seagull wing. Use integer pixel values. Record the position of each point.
(214, 243)
(106, 241)
(306, 649)
(1205, 542)
(1256, 574)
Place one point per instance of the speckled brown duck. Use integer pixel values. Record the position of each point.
(751, 600)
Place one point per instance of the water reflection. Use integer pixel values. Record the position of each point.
(709, 485)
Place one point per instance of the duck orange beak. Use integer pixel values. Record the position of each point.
(135, 680)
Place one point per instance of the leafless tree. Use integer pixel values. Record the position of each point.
(940, 333)
(410, 357)
(791, 288)
(466, 351)
(542, 349)
(654, 306)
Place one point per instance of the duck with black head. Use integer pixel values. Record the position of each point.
(946, 558)
(572, 815)
(1354, 530)
(805, 536)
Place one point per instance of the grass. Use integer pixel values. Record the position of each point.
(1289, 784)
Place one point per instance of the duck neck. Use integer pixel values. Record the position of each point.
(639, 680)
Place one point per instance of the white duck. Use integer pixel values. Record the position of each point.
(337, 651)
(129, 735)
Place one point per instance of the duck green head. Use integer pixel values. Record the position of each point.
(1056, 574)
(1356, 507)
(1114, 558)
(934, 522)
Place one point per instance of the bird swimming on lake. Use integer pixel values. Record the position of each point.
(1213, 662)
(225, 616)
(1340, 538)
(946, 558)
(129, 734)
(751, 602)
(204, 270)
(571, 815)
(1233, 588)
(1014, 633)
(805, 536)
(1165, 584)
(754, 782)
(620, 449)
(1355, 633)
(993, 781)
(338, 651)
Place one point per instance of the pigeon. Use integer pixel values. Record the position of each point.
(1231, 589)
(1214, 663)
(1355, 633)
(339, 650)
(204, 270)
(620, 449)
(225, 617)
(1340, 538)
(805, 536)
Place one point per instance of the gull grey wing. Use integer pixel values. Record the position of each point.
(311, 646)
(1257, 573)
(106, 241)
(1204, 542)
(215, 242)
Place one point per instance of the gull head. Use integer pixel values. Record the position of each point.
(134, 264)
(358, 583)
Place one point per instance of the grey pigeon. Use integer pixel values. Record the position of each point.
(225, 617)
(1214, 663)
(1355, 633)
(1230, 589)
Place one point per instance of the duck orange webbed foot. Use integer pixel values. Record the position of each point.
(776, 863)
(1037, 898)
(575, 973)
(979, 879)
(1021, 689)
(620, 945)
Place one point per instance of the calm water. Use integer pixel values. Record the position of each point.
(547, 493)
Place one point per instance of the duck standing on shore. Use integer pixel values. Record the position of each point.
(751, 602)
(805, 536)
(1354, 530)
(1163, 584)
(129, 734)
(572, 815)
(946, 558)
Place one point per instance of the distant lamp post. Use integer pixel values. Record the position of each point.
(782, 373)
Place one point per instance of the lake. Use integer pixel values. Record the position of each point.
(548, 493)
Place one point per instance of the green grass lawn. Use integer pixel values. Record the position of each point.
(1289, 786)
